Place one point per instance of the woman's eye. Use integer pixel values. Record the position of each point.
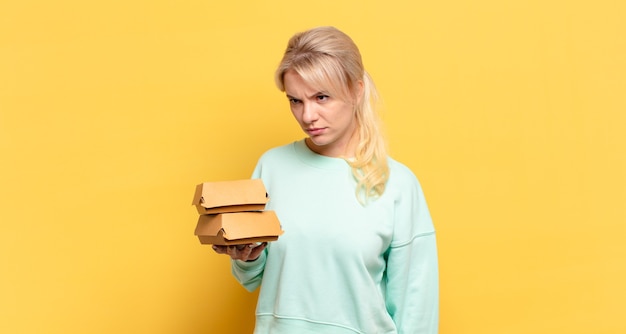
(322, 97)
(294, 101)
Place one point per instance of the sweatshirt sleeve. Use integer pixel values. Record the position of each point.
(249, 274)
(412, 286)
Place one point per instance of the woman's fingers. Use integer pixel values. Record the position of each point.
(255, 252)
(244, 252)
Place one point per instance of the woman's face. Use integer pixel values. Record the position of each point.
(329, 122)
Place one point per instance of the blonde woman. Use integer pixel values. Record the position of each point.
(359, 252)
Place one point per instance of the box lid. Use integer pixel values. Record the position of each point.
(230, 196)
(238, 227)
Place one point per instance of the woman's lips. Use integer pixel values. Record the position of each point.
(315, 131)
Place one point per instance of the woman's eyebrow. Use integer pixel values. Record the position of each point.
(310, 97)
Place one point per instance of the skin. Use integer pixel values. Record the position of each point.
(247, 252)
(330, 124)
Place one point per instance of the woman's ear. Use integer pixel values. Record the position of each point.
(360, 89)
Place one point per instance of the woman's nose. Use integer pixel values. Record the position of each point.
(309, 113)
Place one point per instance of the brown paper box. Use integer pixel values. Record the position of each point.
(230, 196)
(238, 228)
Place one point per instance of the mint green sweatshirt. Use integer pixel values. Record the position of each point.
(341, 267)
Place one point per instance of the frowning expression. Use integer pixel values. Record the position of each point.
(330, 122)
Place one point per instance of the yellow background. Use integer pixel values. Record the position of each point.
(511, 113)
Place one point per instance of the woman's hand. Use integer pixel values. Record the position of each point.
(245, 252)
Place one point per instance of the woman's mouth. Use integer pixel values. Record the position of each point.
(315, 131)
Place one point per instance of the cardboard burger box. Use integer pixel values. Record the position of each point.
(230, 196)
(238, 228)
(232, 212)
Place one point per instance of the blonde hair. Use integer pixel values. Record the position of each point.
(328, 58)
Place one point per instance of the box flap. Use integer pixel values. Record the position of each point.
(230, 196)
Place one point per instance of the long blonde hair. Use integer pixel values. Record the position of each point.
(328, 58)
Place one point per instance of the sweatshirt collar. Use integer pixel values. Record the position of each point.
(311, 158)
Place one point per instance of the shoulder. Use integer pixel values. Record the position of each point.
(403, 182)
(275, 159)
(278, 153)
(399, 173)
(411, 210)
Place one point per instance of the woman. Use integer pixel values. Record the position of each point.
(358, 254)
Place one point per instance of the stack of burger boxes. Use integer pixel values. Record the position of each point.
(233, 213)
